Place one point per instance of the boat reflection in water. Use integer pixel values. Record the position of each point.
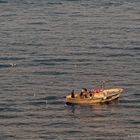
(97, 108)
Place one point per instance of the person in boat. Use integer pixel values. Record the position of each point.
(81, 95)
(72, 94)
(90, 94)
(84, 93)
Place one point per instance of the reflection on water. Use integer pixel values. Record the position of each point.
(96, 108)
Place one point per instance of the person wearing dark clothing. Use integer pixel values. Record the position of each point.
(72, 94)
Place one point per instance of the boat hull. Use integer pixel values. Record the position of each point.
(112, 94)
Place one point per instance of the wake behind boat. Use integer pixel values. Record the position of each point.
(94, 97)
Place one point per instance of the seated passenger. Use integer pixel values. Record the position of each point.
(81, 95)
(90, 95)
(85, 93)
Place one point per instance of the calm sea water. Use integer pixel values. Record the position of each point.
(48, 48)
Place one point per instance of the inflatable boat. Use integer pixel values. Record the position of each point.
(95, 97)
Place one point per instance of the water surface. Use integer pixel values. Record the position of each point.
(48, 48)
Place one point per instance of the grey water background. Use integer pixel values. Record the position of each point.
(48, 48)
